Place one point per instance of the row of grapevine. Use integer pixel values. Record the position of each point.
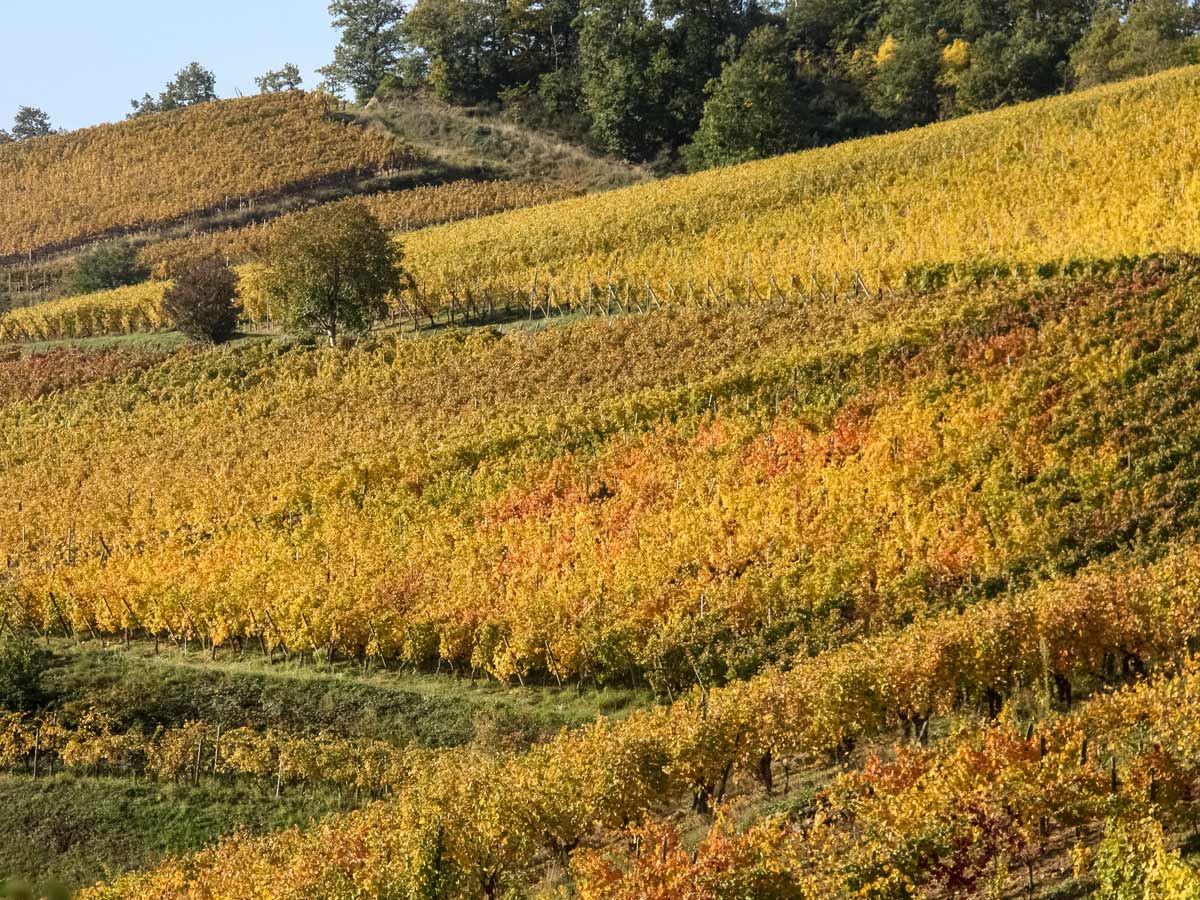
(568, 504)
(138, 308)
(368, 768)
(771, 859)
(67, 188)
(128, 310)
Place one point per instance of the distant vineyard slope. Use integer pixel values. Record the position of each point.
(66, 189)
(1014, 188)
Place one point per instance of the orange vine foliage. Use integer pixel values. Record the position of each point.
(685, 495)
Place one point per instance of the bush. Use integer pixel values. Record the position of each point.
(202, 301)
(108, 266)
(21, 667)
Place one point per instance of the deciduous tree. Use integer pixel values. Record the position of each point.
(469, 46)
(371, 45)
(332, 271)
(30, 122)
(107, 266)
(287, 78)
(622, 63)
(191, 85)
(202, 300)
(753, 109)
(1149, 36)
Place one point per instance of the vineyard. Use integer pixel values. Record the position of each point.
(843, 545)
(984, 797)
(489, 501)
(67, 189)
(1012, 193)
(1011, 188)
(809, 530)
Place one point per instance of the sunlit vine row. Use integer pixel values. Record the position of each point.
(196, 750)
(128, 310)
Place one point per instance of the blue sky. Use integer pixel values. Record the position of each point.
(83, 60)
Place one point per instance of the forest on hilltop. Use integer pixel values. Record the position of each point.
(714, 82)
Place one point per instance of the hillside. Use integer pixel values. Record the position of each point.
(933, 506)
(221, 176)
(1008, 191)
(479, 139)
(1012, 187)
(70, 188)
(475, 163)
(820, 528)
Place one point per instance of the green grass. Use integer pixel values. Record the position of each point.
(139, 688)
(165, 341)
(76, 831)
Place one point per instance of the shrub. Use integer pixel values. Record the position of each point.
(202, 301)
(21, 667)
(108, 266)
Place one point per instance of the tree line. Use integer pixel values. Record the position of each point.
(712, 82)
(701, 83)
